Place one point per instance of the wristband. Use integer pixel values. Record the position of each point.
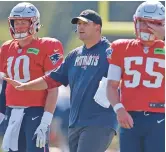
(118, 106)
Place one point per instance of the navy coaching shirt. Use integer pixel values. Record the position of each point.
(82, 70)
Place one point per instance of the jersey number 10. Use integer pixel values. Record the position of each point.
(17, 69)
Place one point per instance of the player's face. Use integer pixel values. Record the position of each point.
(85, 30)
(21, 25)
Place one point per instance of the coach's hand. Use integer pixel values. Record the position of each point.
(124, 118)
(18, 85)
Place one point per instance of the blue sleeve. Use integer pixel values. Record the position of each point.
(61, 74)
(3, 98)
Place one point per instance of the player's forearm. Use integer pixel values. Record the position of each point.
(49, 106)
(37, 84)
(51, 100)
(112, 94)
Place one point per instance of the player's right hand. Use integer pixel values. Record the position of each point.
(124, 118)
(18, 85)
(2, 117)
(157, 30)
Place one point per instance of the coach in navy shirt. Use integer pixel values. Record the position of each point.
(91, 126)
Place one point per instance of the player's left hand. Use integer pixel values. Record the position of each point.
(42, 130)
(41, 134)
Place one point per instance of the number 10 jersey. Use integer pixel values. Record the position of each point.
(26, 64)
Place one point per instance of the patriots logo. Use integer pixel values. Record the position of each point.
(84, 13)
(55, 58)
(109, 52)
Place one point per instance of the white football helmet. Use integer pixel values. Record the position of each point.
(149, 11)
(27, 11)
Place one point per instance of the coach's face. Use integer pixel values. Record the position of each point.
(86, 30)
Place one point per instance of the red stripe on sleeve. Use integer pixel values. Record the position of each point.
(50, 82)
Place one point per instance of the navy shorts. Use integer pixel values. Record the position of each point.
(147, 135)
(31, 121)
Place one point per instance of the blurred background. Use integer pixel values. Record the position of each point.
(56, 17)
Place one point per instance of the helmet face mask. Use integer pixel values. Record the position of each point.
(24, 11)
(148, 12)
(142, 30)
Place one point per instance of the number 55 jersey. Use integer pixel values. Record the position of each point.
(26, 64)
(142, 74)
